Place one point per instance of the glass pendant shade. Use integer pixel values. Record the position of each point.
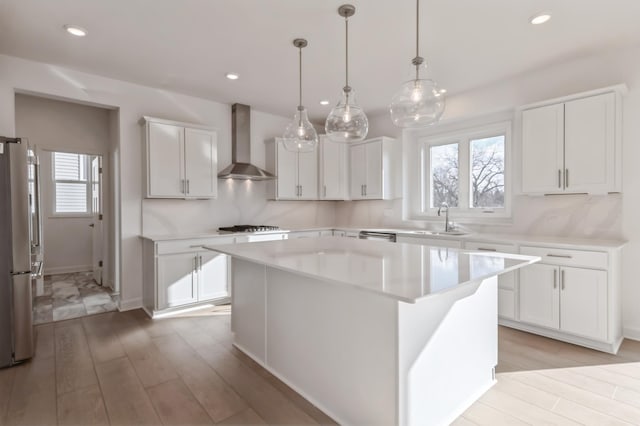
(418, 103)
(346, 121)
(299, 135)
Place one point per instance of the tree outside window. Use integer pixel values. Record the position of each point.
(487, 172)
(468, 174)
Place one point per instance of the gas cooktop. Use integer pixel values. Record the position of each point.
(249, 228)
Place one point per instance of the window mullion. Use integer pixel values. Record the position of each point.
(464, 174)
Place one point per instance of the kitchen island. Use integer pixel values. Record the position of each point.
(371, 332)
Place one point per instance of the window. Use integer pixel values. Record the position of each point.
(76, 186)
(468, 171)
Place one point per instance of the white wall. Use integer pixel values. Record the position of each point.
(132, 102)
(610, 217)
(63, 126)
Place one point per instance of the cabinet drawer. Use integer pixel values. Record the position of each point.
(182, 246)
(566, 257)
(481, 246)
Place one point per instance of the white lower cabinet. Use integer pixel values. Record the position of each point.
(213, 276)
(539, 295)
(573, 295)
(573, 300)
(177, 280)
(507, 300)
(191, 277)
(178, 273)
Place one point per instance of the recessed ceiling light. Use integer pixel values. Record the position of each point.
(443, 91)
(324, 102)
(232, 76)
(540, 18)
(75, 30)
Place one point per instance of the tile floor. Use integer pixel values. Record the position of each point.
(68, 296)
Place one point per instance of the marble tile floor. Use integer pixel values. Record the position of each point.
(68, 296)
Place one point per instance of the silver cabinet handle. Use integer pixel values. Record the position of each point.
(486, 249)
(562, 279)
(301, 190)
(555, 278)
(566, 178)
(187, 186)
(563, 256)
(365, 189)
(325, 190)
(183, 186)
(559, 178)
(200, 262)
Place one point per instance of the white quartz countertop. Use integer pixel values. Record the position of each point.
(522, 239)
(405, 272)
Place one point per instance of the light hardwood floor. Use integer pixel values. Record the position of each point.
(125, 369)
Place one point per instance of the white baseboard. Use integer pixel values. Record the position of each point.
(66, 269)
(631, 333)
(130, 304)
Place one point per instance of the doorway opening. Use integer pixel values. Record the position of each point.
(73, 147)
(77, 195)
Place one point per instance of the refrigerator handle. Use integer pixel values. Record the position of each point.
(37, 231)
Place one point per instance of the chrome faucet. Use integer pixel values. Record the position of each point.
(445, 207)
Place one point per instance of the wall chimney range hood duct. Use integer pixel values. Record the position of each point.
(240, 167)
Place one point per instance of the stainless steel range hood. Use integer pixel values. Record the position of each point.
(241, 167)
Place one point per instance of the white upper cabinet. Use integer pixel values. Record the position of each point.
(333, 170)
(297, 173)
(201, 163)
(573, 145)
(542, 149)
(375, 169)
(181, 160)
(589, 144)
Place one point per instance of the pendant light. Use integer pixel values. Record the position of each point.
(347, 122)
(419, 102)
(299, 135)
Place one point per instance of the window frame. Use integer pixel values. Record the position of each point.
(463, 138)
(88, 184)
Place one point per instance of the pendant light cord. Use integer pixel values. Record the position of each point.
(417, 39)
(300, 74)
(346, 51)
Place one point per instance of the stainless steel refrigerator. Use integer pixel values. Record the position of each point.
(16, 241)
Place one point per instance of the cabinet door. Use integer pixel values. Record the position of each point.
(213, 276)
(357, 171)
(542, 149)
(176, 280)
(590, 144)
(539, 295)
(373, 182)
(308, 175)
(165, 160)
(287, 171)
(332, 170)
(583, 302)
(201, 163)
(506, 282)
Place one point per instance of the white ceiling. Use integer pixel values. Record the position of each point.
(187, 46)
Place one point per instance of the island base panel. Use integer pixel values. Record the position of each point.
(363, 358)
